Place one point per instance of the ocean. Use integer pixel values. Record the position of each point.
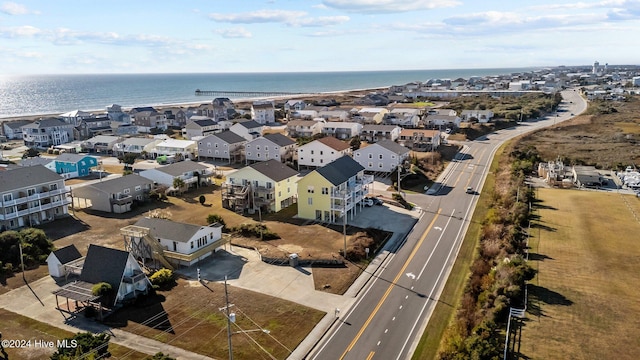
(52, 94)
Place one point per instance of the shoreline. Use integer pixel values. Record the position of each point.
(237, 102)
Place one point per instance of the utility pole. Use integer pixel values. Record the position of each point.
(399, 192)
(226, 298)
(22, 261)
(344, 223)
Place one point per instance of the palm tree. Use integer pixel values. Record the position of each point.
(178, 184)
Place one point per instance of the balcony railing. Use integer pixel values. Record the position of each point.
(36, 196)
(122, 200)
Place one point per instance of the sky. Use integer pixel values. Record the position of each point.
(213, 36)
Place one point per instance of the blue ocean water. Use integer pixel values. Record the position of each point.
(53, 94)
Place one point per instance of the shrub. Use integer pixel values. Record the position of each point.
(101, 288)
(86, 343)
(162, 278)
(255, 230)
(215, 218)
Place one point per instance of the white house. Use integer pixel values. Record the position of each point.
(57, 260)
(404, 117)
(12, 129)
(199, 126)
(304, 114)
(226, 145)
(271, 146)
(172, 147)
(180, 244)
(294, 105)
(419, 139)
(247, 129)
(334, 115)
(383, 156)
(482, 116)
(101, 143)
(191, 172)
(437, 120)
(372, 133)
(322, 151)
(263, 112)
(373, 115)
(341, 130)
(135, 145)
(304, 128)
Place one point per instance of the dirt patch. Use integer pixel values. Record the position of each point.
(190, 310)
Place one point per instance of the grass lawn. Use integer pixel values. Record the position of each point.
(584, 301)
(17, 327)
(188, 316)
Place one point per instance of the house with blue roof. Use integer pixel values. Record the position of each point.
(73, 165)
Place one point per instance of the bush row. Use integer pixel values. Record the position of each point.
(499, 272)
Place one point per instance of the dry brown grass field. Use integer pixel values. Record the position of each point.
(583, 304)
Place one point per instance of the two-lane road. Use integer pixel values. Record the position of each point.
(391, 313)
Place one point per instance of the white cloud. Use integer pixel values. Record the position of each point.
(11, 8)
(287, 17)
(20, 31)
(388, 6)
(234, 33)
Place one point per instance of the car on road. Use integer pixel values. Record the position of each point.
(469, 190)
(367, 202)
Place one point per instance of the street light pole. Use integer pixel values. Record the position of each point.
(226, 297)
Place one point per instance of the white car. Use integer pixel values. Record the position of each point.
(367, 202)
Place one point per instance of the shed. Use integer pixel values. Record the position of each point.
(57, 260)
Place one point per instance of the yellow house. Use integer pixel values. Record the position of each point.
(267, 186)
(328, 192)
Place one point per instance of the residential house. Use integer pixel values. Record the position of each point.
(271, 146)
(263, 112)
(322, 151)
(223, 109)
(266, 186)
(185, 149)
(384, 156)
(193, 174)
(438, 120)
(482, 116)
(226, 145)
(101, 143)
(341, 130)
(408, 118)
(176, 117)
(30, 196)
(372, 115)
(115, 267)
(294, 105)
(420, 140)
(333, 191)
(147, 118)
(249, 129)
(373, 133)
(46, 132)
(304, 128)
(304, 114)
(57, 260)
(136, 145)
(38, 160)
(114, 195)
(75, 117)
(373, 100)
(12, 130)
(334, 115)
(89, 127)
(70, 165)
(200, 127)
(115, 113)
(170, 243)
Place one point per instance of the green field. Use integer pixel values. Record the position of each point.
(584, 303)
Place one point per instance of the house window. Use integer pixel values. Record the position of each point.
(191, 242)
(138, 187)
(139, 197)
(216, 145)
(249, 154)
(310, 189)
(311, 152)
(321, 152)
(269, 185)
(126, 191)
(321, 161)
(31, 192)
(325, 191)
(370, 156)
(380, 156)
(393, 156)
(357, 154)
(257, 147)
(258, 154)
(266, 148)
(370, 164)
(7, 197)
(380, 165)
(82, 163)
(310, 201)
(279, 193)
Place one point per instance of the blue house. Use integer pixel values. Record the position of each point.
(73, 165)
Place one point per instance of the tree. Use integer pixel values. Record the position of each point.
(101, 288)
(215, 218)
(36, 246)
(355, 143)
(30, 152)
(160, 356)
(162, 278)
(178, 184)
(81, 344)
(129, 159)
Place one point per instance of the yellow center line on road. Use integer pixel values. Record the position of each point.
(384, 297)
(370, 355)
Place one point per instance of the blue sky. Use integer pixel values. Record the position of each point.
(141, 36)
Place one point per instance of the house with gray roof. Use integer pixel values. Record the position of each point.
(267, 186)
(114, 195)
(373, 133)
(271, 146)
(172, 243)
(135, 145)
(263, 112)
(192, 173)
(30, 196)
(101, 143)
(203, 127)
(57, 260)
(46, 132)
(333, 191)
(226, 145)
(249, 129)
(115, 267)
(13, 129)
(384, 156)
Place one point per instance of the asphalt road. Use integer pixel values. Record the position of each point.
(390, 314)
